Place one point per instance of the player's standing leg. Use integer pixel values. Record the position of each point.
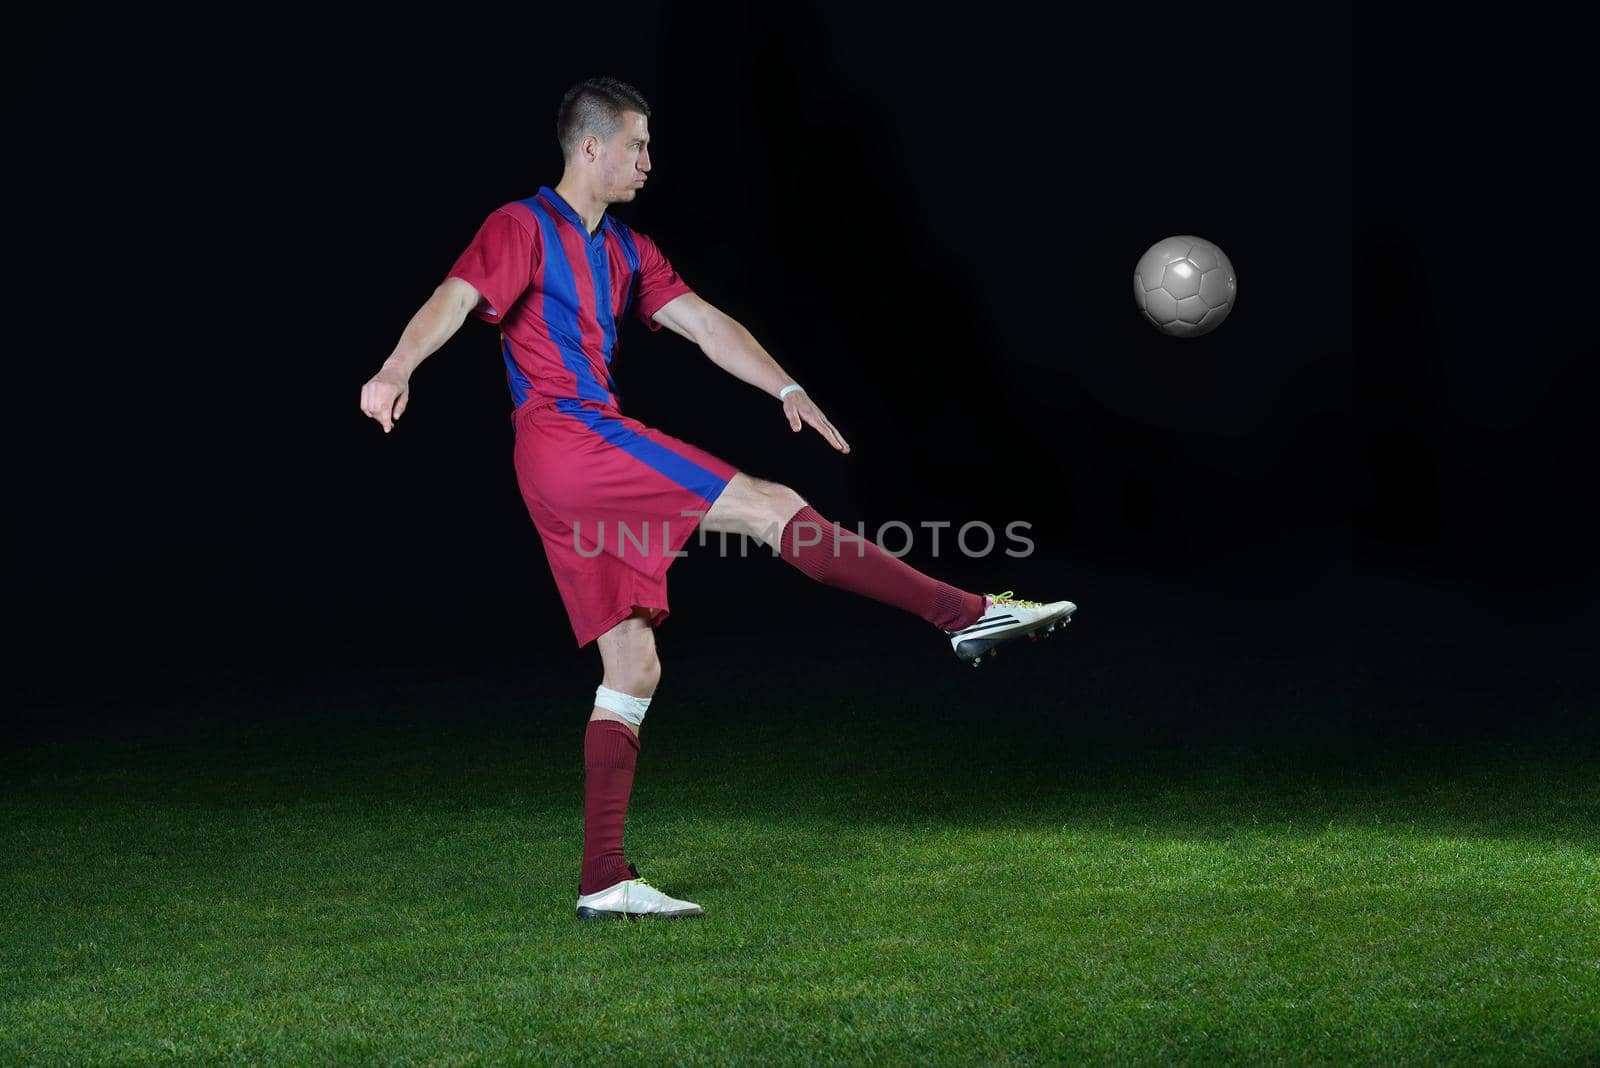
(780, 518)
(610, 887)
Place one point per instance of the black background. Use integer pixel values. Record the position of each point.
(221, 227)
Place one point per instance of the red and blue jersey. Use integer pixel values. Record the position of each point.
(559, 293)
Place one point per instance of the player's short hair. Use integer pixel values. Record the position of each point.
(595, 106)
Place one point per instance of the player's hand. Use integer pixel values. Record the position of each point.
(799, 409)
(384, 397)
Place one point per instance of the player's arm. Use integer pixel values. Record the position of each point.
(731, 347)
(384, 396)
(724, 340)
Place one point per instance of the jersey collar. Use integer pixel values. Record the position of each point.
(574, 218)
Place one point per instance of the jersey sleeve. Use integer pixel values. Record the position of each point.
(499, 263)
(656, 282)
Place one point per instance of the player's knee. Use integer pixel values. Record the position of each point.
(638, 672)
(647, 673)
(780, 505)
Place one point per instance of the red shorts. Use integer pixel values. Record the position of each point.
(608, 496)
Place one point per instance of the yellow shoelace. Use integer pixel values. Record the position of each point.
(1006, 599)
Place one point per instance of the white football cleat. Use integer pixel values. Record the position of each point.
(1005, 618)
(633, 898)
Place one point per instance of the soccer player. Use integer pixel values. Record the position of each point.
(614, 501)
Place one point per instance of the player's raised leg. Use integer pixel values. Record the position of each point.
(780, 518)
(609, 887)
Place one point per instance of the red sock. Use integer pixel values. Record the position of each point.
(609, 753)
(851, 562)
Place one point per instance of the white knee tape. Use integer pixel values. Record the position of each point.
(626, 705)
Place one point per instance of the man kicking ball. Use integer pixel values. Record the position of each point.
(559, 275)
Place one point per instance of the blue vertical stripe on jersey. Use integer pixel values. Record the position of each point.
(682, 470)
(561, 316)
(600, 268)
(631, 251)
(520, 386)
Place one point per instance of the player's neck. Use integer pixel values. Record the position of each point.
(592, 212)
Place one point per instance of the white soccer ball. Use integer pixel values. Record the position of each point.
(1184, 286)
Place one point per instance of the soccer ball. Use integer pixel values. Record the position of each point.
(1184, 286)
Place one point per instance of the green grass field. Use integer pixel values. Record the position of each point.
(890, 875)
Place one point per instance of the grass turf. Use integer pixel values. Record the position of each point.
(890, 875)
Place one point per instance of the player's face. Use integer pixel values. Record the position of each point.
(627, 158)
